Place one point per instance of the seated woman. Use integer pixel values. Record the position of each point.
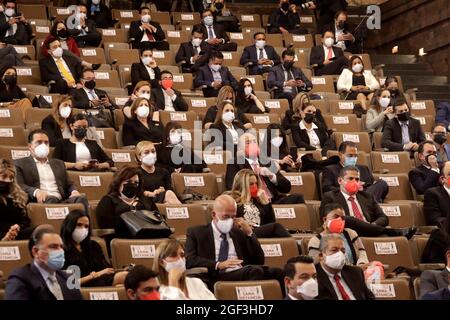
(170, 264)
(359, 83)
(141, 126)
(176, 157)
(146, 70)
(125, 193)
(226, 94)
(79, 153)
(57, 123)
(246, 100)
(380, 110)
(333, 222)
(391, 84)
(14, 221)
(141, 90)
(80, 250)
(11, 95)
(274, 146)
(254, 206)
(310, 134)
(157, 182)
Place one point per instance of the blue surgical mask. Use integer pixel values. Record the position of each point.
(56, 259)
(350, 161)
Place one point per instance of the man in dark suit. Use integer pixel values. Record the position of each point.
(441, 294)
(42, 279)
(83, 29)
(402, 133)
(146, 69)
(285, 19)
(432, 280)
(286, 79)
(436, 204)
(64, 71)
(440, 138)
(194, 54)
(327, 58)
(14, 28)
(148, 32)
(338, 281)
(362, 213)
(44, 179)
(165, 97)
(214, 76)
(345, 39)
(348, 153)
(259, 57)
(426, 175)
(443, 114)
(300, 278)
(214, 34)
(327, 10)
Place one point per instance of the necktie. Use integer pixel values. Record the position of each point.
(210, 33)
(55, 288)
(355, 209)
(93, 95)
(405, 133)
(67, 75)
(196, 50)
(149, 35)
(261, 54)
(224, 248)
(330, 54)
(341, 289)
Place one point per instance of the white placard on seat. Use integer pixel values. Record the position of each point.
(159, 54)
(318, 80)
(101, 75)
(422, 120)
(20, 49)
(121, 101)
(90, 181)
(9, 253)
(341, 120)
(272, 104)
(41, 29)
(142, 251)
(19, 154)
(24, 72)
(58, 213)
(198, 103)
(109, 32)
(247, 18)
(391, 181)
(261, 119)
(236, 36)
(178, 116)
(249, 293)
(101, 134)
(227, 55)
(382, 290)
(350, 137)
(295, 180)
(213, 158)
(187, 17)
(345, 105)
(306, 19)
(178, 78)
(284, 213)
(418, 105)
(111, 295)
(6, 133)
(126, 14)
(89, 52)
(177, 213)
(272, 250)
(121, 157)
(390, 158)
(173, 34)
(197, 181)
(297, 38)
(385, 248)
(391, 211)
(4, 113)
(62, 11)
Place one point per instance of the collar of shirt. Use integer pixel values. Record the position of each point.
(173, 98)
(331, 275)
(292, 297)
(430, 168)
(56, 59)
(252, 161)
(37, 161)
(448, 191)
(44, 273)
(346, 196)
(303, 127)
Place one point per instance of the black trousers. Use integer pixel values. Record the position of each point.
(378, 190)
(335, 67)
(81, 200)
(271, 230)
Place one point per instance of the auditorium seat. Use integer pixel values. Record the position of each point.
(137, 251)
(399, 186)
(53, 214)
(299, 41)
(107, 137)
(203, 183)
(400, 214)
(104, 293)
(185, 118)
(303, 183)
(278, 250)
(11, 116)
(185, 18)
(294, 217)
(93, 55)
(121, 157)
(391, 162)
(249, 20)
(12, 153)
(342, 123)
(391, 289)
(13, 136)
(248, 290)
(14, 255)
(125, 16)
(361, 139)
(93, 184)
(182, 216)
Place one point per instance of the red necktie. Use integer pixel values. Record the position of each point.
(330, 54)
(149, 35)
(341, 289)
(355, 209)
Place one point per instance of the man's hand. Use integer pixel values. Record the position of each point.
(287, 160)
(74, 193)
(41, 196)
(432, 161)
(326, 61)
(291, 83)
(261, 61)
(293, 8)
(170, 92)
(78, 86)
(300, 83)
(415, 146)
(95, 103)
(243, 225)
(216, 84)
(283, 30)
(80, 166)
(229, 263)
(12, 21)
(196, 57)
(105, 101)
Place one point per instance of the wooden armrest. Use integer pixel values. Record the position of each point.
(102, 232)
(431, 266)
(412, 90)
(426, 229)
(194, 271)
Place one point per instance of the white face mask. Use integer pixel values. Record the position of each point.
(384, 102)
(175, 138)
(336, 260)
(58, 52)
(81, 15)
(179, 264)
(196, 42)
(149, 159)
(248, 90)
(145, 18)
(225, 226)
(96, 2)
(145, 95)
(357, 67)
(79, 234)
(10, 12)
(65, 112)
(209, 20)
(309, 289)
(228, 116)
(41, 151)
(147, 60)
(142, 111)
(260, 44)
(277, 141)
(216, 67)
(329, 42)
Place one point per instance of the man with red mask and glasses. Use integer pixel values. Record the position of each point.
(165, 97)
(249, 156)
(362, 213)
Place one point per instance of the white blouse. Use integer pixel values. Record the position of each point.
(313, 138)
(82, 152)
(196, 288)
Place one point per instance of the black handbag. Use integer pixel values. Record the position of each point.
(146, 224)
(40, 102)
(102, 119)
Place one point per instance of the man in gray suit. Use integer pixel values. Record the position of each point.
(45, 180)
(433, 280)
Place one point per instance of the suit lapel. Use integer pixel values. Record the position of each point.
(34, 172)
(211, 254)
(351, 283)
(340, 198)
(37, 275)
(58, 176)
(324, 281)
(362, 204)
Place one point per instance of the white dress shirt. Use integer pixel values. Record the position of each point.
(168, 101)
(344, 284)
(349, 204)
(430, 168)
(339, 32)
(150, 71)
(47, 179)
(91, 94)
(82, 153)
(325, 49)
(231, 249)
(313, 138)
(233, 133)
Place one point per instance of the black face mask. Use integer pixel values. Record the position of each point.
(90, 84)
(10, 80)
(341, 24)
(288, 64)
(394, 92)
(285, 6)
(309, 118)
(219, 6)
(4, 187)
(62, 34)
(440, 138)
(403, 116)
(130, 190)
(80, 133)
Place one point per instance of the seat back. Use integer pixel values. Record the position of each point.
(122, 157)
(248, 290)
(12, 136)
(342, 106)
(164, 57)
(426, 122)
(114, 35)
(28, 75)
(125, 16)
(26, 52)
(423, 108)
(11, 116)
(399, 186)
(203, 183)
(53, 214)
(13, 254)
(108, 137)
(93, 55)
(342, 123)
(277, 251)
(123, 56)
(362, 140)
(93, 184)
(243, 39)
(161, 17)
(293, 217)
(261, 121)
(183, 216)
(185, 118)
(249, 20)
(137, 251)
(104, 293)
(32, 11)
(257, 82)
(299, 41)
(400, 214)
(322, 84)
(278, 106)
(183, 82)
(177, 37)
(13, 153)
(186, 18)
(107, 78)
(395, 162)
(391, 289)
(303, 183)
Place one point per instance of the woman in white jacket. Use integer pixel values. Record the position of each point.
(358, 82)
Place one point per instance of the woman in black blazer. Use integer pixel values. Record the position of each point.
(246, 100)
(78, 153)
(275, 147)
(11, 95)
(146, 69)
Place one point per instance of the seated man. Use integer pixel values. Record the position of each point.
(329, 58)
(300, 278)
(42, 279)
(44, 179)
(259, 57)
(287, 80)
(148, 32)
(348, 153)
(193, 54)
(338, 281)
(165, 97)
(285, 19)
(63, 70)
(433, 280)
(440, 138)
(214, 34)
(362, 213)
(343, 31)
(214, 76)
(402, 133)
(426, 175)
(436, 204)
(443, 114)
(83, 29)
(14, 28)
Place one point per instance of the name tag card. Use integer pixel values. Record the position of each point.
(390, 158)
(173, 34)
(306, 19)
(103, 295)
(247, 18)
(295, 180)
(422, 120)
(345, 105)
(101, 134)
(391, 181)
(121, 157)
(198, 103)
(126, 14)
(296, 38)
(42, 29)
(227, 55)
(272, 250)
(121, 101)
(194, 181)
(4, 113)
(382, 81)
(101, 75)
(62, 11)
(284, 213)
(109, 32)
(187, 17)
(385, 248)
(19, 154)
(382, 290)
(340, 120)
(391, 211)
(9, 253)
(57, 213)
(178, 78)
(272, 104)
(213, 158)
(48, 98)
(249, 293)
(90, 181)
(89, 52)
(236, 36)
(126, 26)
(261, 119)
(21, 49)
(177, 213)
(159, 54)
(418, 105)
(316, 80)
(186, 136)
(142, 251)
(24, 72)
(176, 116)
(6, 133)
(351, 137)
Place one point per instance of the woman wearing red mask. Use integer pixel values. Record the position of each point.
(165, 97)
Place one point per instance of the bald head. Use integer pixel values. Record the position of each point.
(224, 207)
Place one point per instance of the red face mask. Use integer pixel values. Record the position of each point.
(254, 190)
(336, 225)
(154, 295)
(167, 84)
(352, 187)
(252, 150)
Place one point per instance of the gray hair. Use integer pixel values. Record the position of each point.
(327, 238)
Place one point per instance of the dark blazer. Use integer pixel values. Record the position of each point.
(179, 104)
(327, 9)
(330, 176)
(200, 248)
(293, 21)
(422, 179)
(186, 52)
(21, 37)
(65, 150)
(317, 55)
(81, 99)
(136, 33)
(441, 294)
(353, 277)
(133, 131)
(250, 56)
(301, 138)
(392, 134)
(92, 38)
(432, 280)
(436, 248)
(103, 18)
(276, 78)
(443, 114)
(28, 176)
(219, 31)
(7, 95)
(436, 206)
(227, 140)
(370, 209)
(26, 283)
(205, 78)
(139, 73)
(49, 71)
(52, 128)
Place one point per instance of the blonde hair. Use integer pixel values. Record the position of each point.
(167, 248)
(223, 93)
(141, 84)
(140, 147)
(240, 190)
(220, 111)
(19, 197)
(55, 112)
(300, 102)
